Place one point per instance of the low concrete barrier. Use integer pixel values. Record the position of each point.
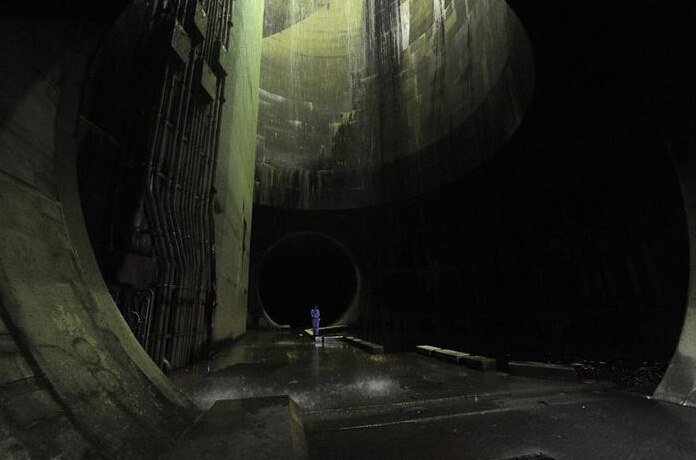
(246, 429)
(452, 356)
(326, 330)
(364, 344)
(427, 350)
(480, 363)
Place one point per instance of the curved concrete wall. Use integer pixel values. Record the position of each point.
(348, 316)
(281, 14)
(392, 102)
(679, 383)
(308, 83)
(677, 117)
(75, 381)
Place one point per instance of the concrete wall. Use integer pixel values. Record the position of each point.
(74, 380)
(364, 100)
(536, 257)
(281, 14)
(235, 172)
(310, 80)
(678, 112)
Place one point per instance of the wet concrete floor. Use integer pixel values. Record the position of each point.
(356, 405)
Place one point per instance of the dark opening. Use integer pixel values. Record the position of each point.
(302, 270)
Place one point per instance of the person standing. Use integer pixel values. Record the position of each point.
(316, 317)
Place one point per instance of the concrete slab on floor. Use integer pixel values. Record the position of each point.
(328, 330)
(245, 429)
(427, 350)
(366, 345)
(480, 363)
(451, 356)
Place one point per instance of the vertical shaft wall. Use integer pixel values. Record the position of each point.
(235, 173)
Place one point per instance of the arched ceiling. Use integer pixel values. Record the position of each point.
(364, 101)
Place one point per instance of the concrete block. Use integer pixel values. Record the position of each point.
(451, 356)
(329, 329)
(331, 338)
(480, 363)
(543, 371)
(325, 330)
(246, 429)
(427, 350)
(364, 345)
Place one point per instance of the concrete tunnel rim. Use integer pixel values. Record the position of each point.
(350, 315)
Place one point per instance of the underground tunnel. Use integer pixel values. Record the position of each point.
(507, 183)
(303, 270)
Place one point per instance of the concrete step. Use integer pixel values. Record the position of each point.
(328, 338)
(479, 363)
(451, 356)
(364, 345)
(427, 350)
(543, 370)
(245, 429)
(328, 330)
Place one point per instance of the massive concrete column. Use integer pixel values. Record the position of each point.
(235, 172)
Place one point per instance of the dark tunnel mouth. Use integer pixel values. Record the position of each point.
(305, 268)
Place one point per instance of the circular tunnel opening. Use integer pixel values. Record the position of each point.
(302, 270)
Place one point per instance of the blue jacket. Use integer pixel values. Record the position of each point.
(315, 313)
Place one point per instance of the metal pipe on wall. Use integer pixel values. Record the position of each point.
(154, 215)
(179, 194)
(176, 106)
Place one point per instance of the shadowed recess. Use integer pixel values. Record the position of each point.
(303, 270)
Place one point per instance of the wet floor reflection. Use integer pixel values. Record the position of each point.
(331, 374)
